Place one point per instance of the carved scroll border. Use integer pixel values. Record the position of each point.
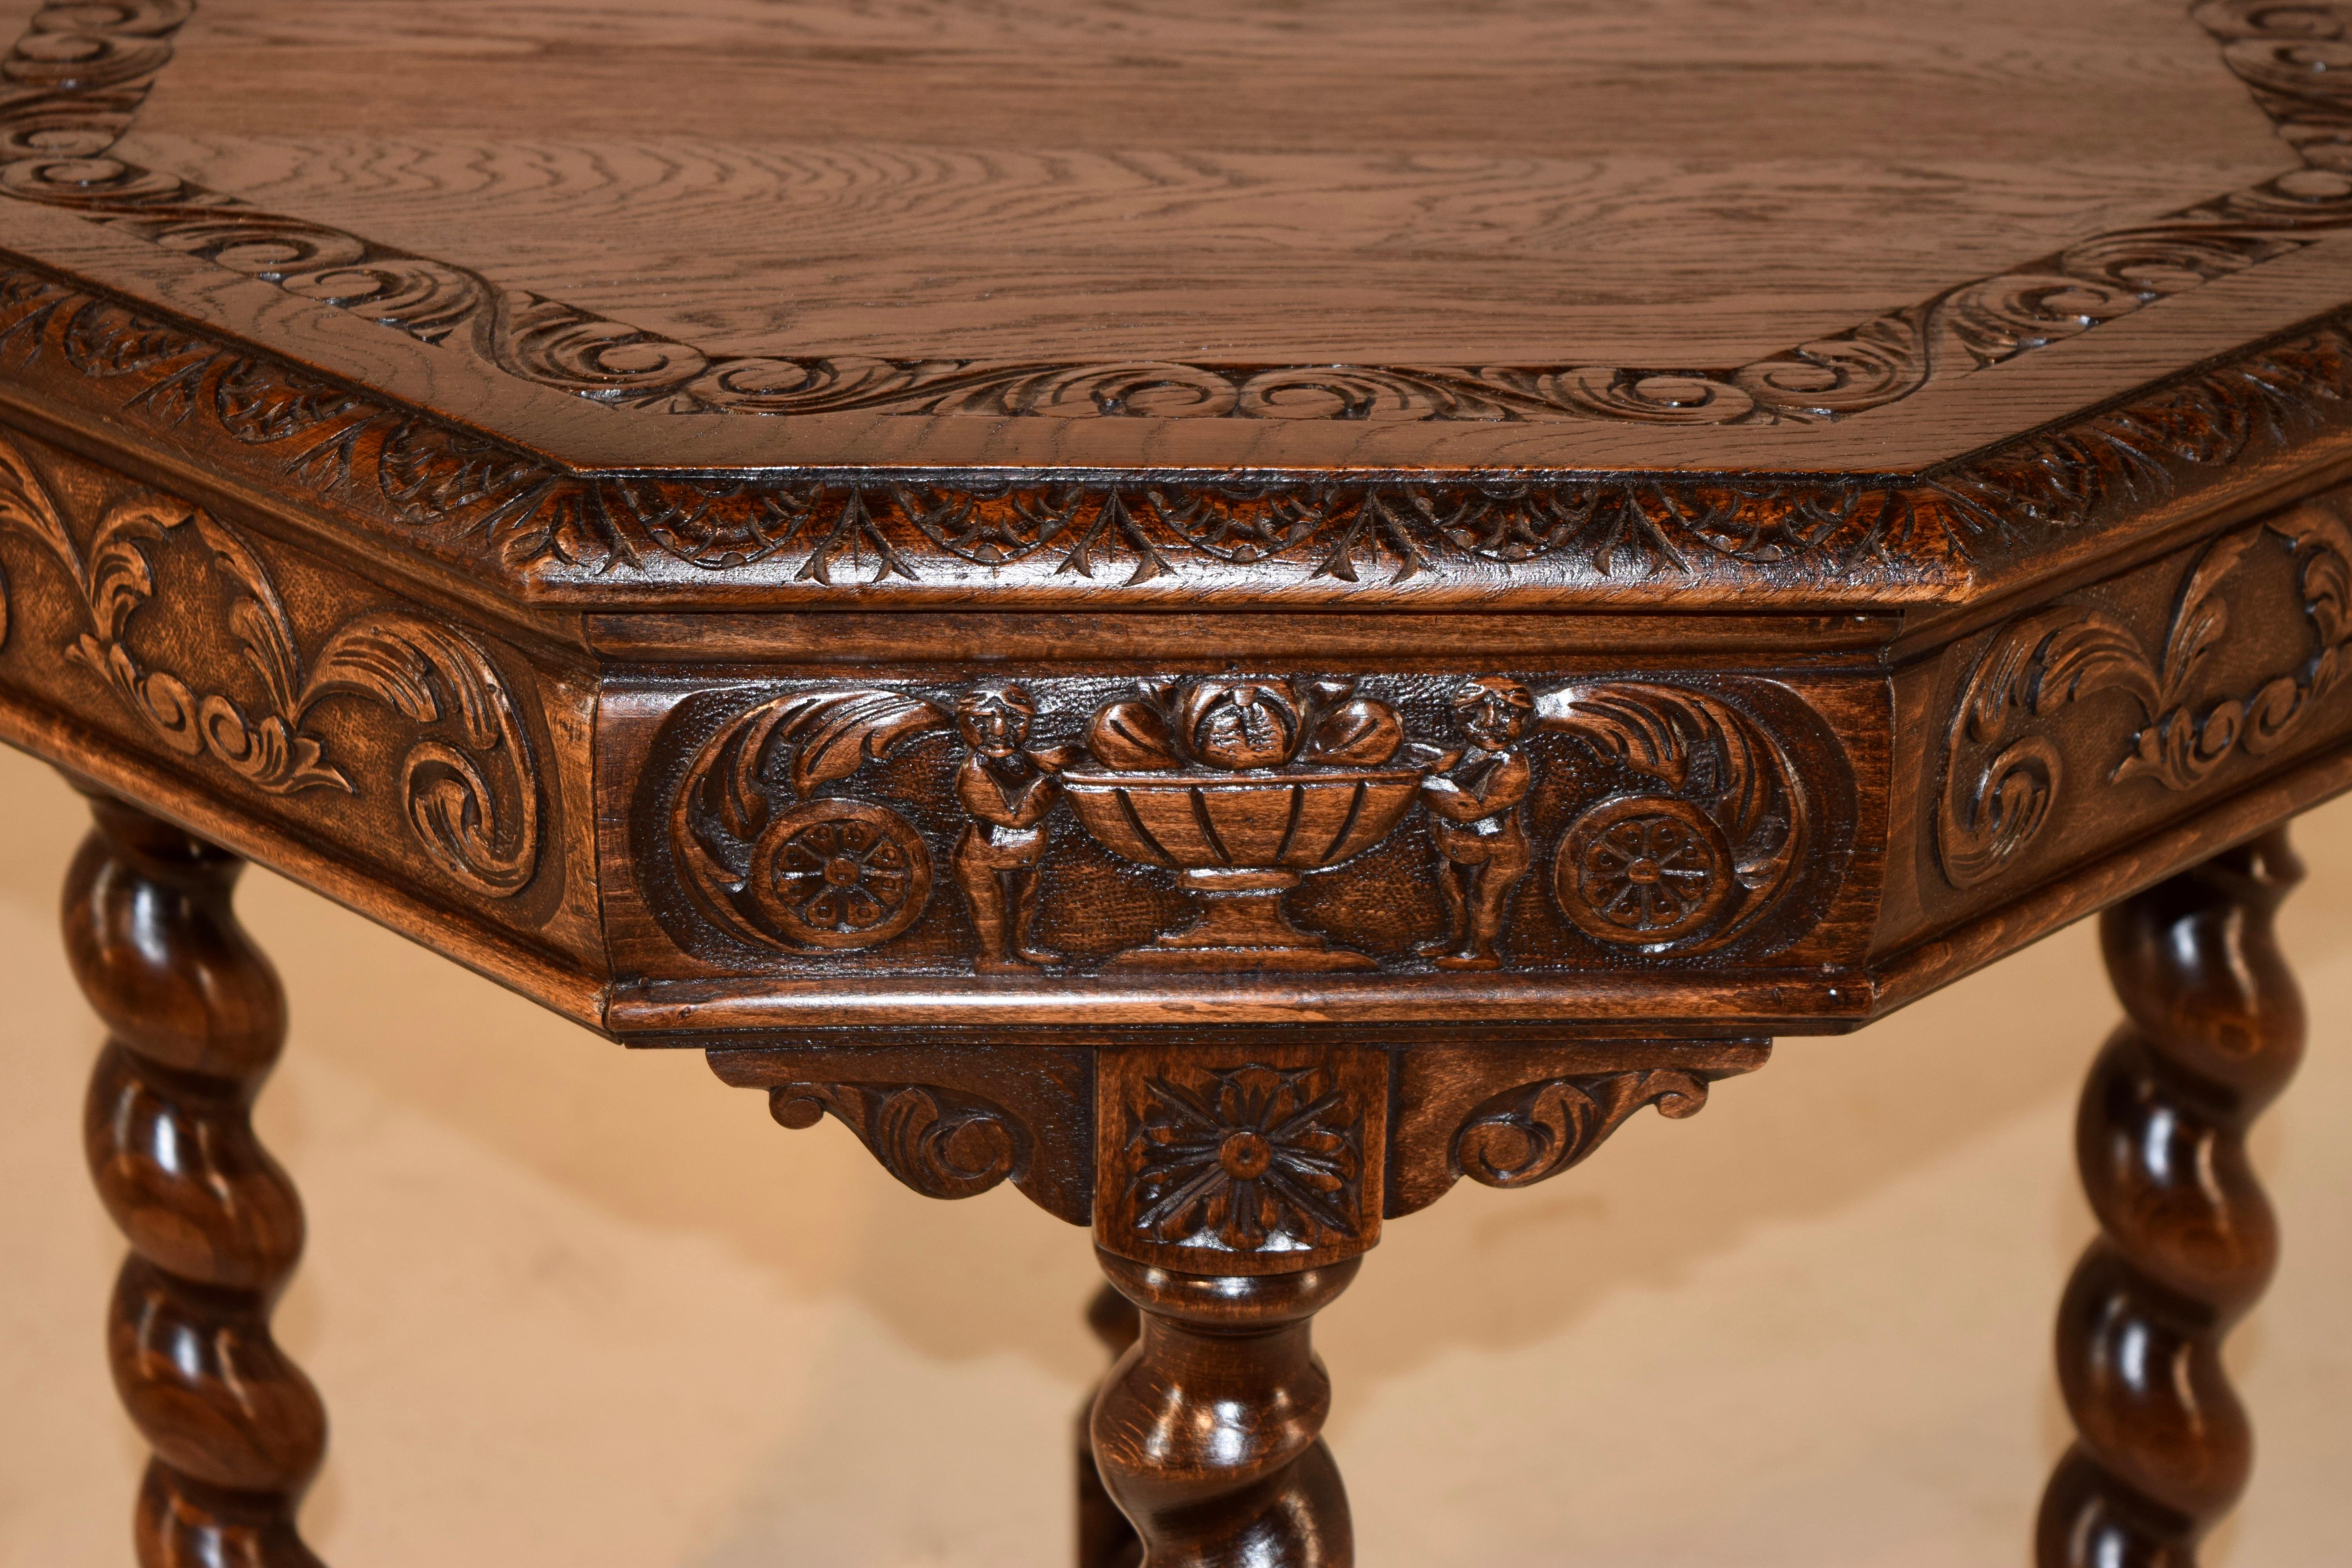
(81, 79)
(479, 503)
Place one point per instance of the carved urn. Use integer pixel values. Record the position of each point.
(1242, 786)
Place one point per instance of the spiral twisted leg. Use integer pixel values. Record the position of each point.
(2214, 1030)
(1105, 1537)
(1207, 1431)
(196, 1019)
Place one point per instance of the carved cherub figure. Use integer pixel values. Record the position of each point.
(1008, 788)
(1478, 819)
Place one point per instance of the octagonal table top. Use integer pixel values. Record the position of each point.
(695, 303)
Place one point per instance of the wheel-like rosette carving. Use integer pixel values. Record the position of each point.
(196, 1019)
(1643, 869)
(2214, 1029)
(781, 869)
(1696, 865)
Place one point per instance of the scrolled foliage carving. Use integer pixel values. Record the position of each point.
(779, 867)
(1524, 1135)
(942, 1142)
(1698, 864)
(481, 835)
(2005, 772)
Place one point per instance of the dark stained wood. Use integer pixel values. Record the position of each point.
(1225, 614)
(1105, 1540)
(2189, 1241)
(1208, 1431)
(196, 1020)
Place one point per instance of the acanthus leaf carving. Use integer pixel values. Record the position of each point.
(1526, 1134)
(2003, 776)
(485, 839)
(780, 866)
(944, 1144)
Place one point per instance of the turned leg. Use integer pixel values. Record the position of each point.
(2214, 1028)
(1105, 1537)
(196, 1018)
(1208, 1430)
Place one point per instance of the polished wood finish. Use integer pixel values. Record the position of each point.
(1208, 1431)
(195, 1020)
(1226, 669)
(2189, 1241)
(1105, 1540)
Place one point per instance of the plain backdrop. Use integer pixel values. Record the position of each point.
(574, 1306)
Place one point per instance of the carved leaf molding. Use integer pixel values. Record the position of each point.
(475, 502)
(484, 839)
(943, 1142)
(90, 69)
(2003, 775)
(1528, 1134)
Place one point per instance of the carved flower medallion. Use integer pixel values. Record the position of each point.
(1260, 1160)
(1643, 869)
(841, 873)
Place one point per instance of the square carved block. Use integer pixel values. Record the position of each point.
(1265, 1160)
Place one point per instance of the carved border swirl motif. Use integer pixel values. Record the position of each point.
(942, 1142)
(478, 503)
(82, 70)
(484, 838)
(1528, 1134)
(2003, 776)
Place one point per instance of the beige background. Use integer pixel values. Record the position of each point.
(576, 1307)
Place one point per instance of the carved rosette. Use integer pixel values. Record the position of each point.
(2005, 768)
(1265, 1163)
(468, 785)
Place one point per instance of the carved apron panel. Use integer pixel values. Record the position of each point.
(1238, 822)
(278, 681)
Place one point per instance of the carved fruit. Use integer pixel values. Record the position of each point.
(1132, 737)
(1238, 724)
(1361, 733)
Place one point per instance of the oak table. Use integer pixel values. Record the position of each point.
(1227, 613)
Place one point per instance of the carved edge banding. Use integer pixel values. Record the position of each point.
(86, 70)
(476, 502)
